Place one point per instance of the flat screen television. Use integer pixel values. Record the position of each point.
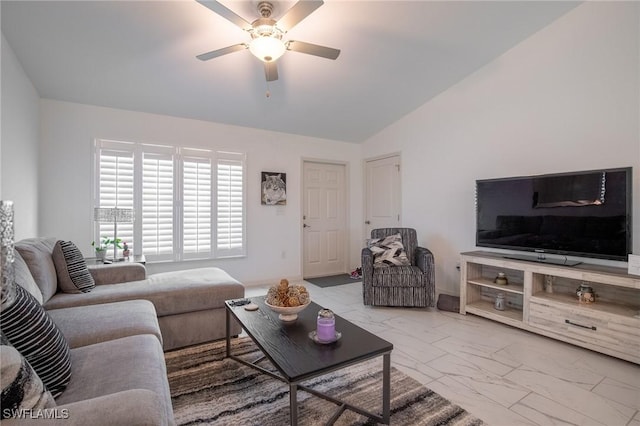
(584, 214)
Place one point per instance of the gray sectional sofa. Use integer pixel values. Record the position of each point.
(116, 333)
(189, 304)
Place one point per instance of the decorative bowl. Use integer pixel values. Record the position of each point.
(288, 313)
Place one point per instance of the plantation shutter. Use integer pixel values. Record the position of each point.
(197, 198)
(115, 187)
(230, 205)
(157, 205)
(189, 203)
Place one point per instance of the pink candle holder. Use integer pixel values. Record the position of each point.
(326, 326)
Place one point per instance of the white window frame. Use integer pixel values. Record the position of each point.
(179, 155)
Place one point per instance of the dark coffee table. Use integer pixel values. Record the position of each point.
(298, 358)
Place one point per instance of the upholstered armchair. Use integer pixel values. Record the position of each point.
(410, 285)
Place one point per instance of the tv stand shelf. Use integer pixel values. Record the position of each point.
(511, 288)
(541, 298)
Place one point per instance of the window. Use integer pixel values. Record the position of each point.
(197, 188)
(189, 203)
(115, 186)
(230, 202)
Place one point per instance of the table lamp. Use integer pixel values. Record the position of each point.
(115, 215)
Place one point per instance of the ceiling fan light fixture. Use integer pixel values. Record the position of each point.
(267, 34)
(267, 49)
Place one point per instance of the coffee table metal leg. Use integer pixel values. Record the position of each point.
(228, 331)
(386, 388)
(293, 403)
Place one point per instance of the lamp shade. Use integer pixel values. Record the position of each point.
(266, 48)
(112, 214)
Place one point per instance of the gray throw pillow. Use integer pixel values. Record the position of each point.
(71, 269)
(22, 389)
(37, 254)
(30, 329)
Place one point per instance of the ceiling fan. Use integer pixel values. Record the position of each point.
(266, 34)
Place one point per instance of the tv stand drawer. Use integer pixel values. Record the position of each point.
(610, 334)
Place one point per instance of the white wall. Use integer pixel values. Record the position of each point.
(69, 130)
(19, 143)
(566, 99)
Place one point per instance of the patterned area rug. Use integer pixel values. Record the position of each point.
(208, 389)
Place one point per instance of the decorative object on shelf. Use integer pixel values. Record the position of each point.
(548, 284)
(102, 247)
(125, 249)
(287, 300)
(499, 304)
(585, 293)
(501, 279)
(326, 326)
(115, 215)
(7, 281)
(274, 189)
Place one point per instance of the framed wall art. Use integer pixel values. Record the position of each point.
(273, 189)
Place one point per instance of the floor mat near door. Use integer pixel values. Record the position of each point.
(332, 280)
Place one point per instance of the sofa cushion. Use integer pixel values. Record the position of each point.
(24, 278)
(117, 272)
(86, 325)
(170, 292)
(36, 253)
(22, 389)
(388, 251)
(71, 268)
(399, 276)
(134, 362)
(132, 407)
(31, 331)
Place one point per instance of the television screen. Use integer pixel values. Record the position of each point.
(585, 214)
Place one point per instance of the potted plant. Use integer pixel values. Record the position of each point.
(103, 245)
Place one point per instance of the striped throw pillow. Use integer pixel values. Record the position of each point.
(30, 330)
(71, 268)
(22, 389)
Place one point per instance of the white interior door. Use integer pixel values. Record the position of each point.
(382, 193)
(324, 219)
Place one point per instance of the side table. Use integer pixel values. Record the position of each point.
(136, 258)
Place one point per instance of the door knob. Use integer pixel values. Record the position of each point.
(367, 222)
(306, 226)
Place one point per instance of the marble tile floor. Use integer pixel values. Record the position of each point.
(501, 374)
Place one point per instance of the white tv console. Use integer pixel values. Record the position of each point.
(541, 298)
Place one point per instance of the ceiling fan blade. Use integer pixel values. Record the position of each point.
(297, 13)
(220, 52)
(313, 49)
(271, 71)
(226, 13)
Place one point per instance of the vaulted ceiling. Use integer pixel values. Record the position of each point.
(140, 56)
